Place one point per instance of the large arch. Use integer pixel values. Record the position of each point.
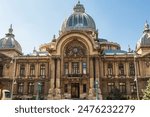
(82, 37)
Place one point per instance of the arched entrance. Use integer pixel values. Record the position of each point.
(75, 70)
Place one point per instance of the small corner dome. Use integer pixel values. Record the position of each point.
(145, 38)
(79, 20)
(9, 42)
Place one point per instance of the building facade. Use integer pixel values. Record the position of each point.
(75, 65)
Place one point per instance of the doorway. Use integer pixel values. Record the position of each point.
(75, 90)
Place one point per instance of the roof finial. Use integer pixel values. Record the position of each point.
(78, 1)
(146, 26)
(79, 7)
(54, 36)
(129, 49)
(10, 29)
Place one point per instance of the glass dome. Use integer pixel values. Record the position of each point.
(145, 38)
(79, 20)
(9, 42)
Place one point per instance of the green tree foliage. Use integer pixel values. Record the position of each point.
(147, 91)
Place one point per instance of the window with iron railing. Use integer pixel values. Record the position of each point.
(110, 69)
(84, 68)
(122, 87)
(22, 70)
(66, 68)
(131, 69)
(75, 68)
(32, 70)
(42, 70)
(111, 87)
(20, 88)
(30, 88)
(121, 69)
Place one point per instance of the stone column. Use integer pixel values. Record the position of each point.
(91, 73)
(97, 68)
(80, 67)
(127, 69)
(58, 74)
(116, 69)
(128, 87)
(37, 70)
(51, 92)
(27, 68)
(25, 90)
(91, 89)
(58, 90)
(70, 70)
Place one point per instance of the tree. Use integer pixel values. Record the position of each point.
(147, 91)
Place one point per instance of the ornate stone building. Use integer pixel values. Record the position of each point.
(78, 64)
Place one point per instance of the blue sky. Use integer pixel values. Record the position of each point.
(36, 21)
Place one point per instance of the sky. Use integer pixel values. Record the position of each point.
(36, 21)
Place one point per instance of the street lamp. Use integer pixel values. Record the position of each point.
(135, 79)
(97, 95)
(38, 91)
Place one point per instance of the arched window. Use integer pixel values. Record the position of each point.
(131, 69)
(110, 69)
(32, 70)
(121, 69)
(22, 70)
(75, 49)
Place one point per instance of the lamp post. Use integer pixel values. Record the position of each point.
(97, 95)
(13, 80)
(38, 91)
(135, 79)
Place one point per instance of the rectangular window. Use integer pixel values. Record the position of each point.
(110, 87)
(20, 88)
(84, 68)
(110, 69)
(131, 69)
(122, 87)
(42, 71)
(32, 70)
(22, 70)
(121, 69)
(75, 68)
(66, 68)
(84, 88)
(132, 87)
(66, 88)
(30, 88)
(41, 87)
